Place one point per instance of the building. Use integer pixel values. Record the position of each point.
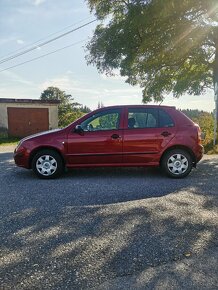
(23, 117)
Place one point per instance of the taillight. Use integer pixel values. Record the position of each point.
(200, 135)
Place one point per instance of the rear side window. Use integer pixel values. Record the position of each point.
(164, 119)
(142, 118)
(148, 118)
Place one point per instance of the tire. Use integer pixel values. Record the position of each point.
(47, 164)
(177, 163)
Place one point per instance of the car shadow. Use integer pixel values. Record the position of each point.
(98, 186)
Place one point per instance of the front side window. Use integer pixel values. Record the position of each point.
(106, 120)
(142, 118)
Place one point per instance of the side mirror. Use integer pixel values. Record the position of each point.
(78, 129)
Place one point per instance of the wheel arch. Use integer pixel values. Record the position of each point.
(38, 149)
(182, 147)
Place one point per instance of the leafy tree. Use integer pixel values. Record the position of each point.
(53, 93)
(68, 111)
(69, 117)
(206, 121)
(194, 114)
(85, 109)
(162, 45)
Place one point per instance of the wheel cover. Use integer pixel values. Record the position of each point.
(177, 164)
(46, 165)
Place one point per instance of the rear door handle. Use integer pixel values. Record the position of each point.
(115, 136)
(165, 133)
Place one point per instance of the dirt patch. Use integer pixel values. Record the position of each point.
(7, 148)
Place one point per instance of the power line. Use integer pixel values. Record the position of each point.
(46, 42)
(37, 41)
(43, 55)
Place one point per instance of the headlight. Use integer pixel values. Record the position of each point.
(18, 145)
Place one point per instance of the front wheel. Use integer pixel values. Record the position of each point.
(177, 163)
(47, 164)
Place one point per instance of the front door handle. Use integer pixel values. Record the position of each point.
(115, 136)
(165, 133)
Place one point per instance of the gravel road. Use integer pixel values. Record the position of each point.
(114, 228)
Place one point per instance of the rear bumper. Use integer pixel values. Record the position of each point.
(199, 152)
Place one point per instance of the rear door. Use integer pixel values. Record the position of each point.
(147, 131)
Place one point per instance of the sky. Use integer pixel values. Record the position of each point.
(23, 22)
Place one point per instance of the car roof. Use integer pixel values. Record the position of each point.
(138, 106)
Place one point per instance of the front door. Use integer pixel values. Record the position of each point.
(100, 143)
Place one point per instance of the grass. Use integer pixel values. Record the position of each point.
(5, 140)
(214, 150)
(210, 149)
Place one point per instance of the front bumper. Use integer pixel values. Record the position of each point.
(21, 158)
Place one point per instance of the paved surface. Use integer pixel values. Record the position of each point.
(129, 228)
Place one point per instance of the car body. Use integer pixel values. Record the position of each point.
(130, 135)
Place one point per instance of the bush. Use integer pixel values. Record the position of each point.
(206, 122)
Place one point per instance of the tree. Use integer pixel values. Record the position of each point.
(68, 111)
(53, 93)
(100, 105)
(70, 117)
(206, 122)
(162, 45)
(85, 109)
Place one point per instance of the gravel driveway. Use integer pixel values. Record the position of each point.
(114, 228)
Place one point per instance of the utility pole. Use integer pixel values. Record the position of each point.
(215, 112)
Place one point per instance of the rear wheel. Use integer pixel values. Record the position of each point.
(177, 163)
(47, 164)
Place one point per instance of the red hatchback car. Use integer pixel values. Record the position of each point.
(138, 135)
